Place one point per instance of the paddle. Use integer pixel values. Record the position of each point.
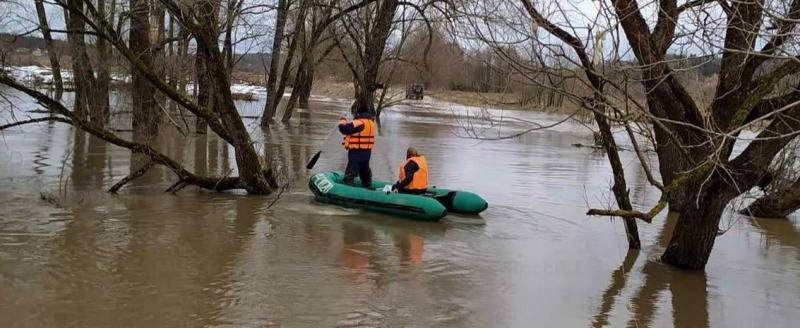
(313, 160)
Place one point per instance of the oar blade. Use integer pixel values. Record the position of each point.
(313, 160)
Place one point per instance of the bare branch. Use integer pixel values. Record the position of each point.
(646, 217)
(36, 120)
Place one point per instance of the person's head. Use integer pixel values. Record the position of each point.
(362, 109)
(411, 152)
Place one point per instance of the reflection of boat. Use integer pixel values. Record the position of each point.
(432, 206)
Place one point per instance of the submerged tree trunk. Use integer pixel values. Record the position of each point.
(142, 92)
(82, 73)
(299, 82)
(300, 76)
(274, 62)
(305, 85)
(248, 163)
(777, 203)
(698, 223)
(52, 54)
(287, 64)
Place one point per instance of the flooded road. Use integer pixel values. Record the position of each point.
(146, 258)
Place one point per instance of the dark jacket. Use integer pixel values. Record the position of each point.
(356, 155)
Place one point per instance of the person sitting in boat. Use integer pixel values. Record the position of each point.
(413, 177)
(359, 137)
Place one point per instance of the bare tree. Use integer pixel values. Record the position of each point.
(52, 53)
(233, 9)
(329, 12)
(694, 142)
(276, 84)
(366, 34)
(89, 99)
(145, 115)
(311, 38)
(222, 118)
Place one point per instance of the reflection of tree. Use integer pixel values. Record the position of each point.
(201, 154)
(78, 172)
(782, 232)
(96, 161)
(689, 296)
(687, 288)
(188, 264)
(42, 153)
(618, 279)
(89, 160)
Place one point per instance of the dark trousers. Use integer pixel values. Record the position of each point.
(360, 169)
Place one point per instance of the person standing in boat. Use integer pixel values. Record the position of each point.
(413, 177)
(359, 137)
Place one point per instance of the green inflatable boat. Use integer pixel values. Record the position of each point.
(328, 187)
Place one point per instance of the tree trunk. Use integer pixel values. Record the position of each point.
(248, 163)
(144, 105)
(776, 203)
(51, 50)
(102, 112)
(172, 61)
(158, 52)
(296, 90)
(306, 85)
(300, 76)
(274, 61)
(205, 90)
(82, 74)
(671, 167)
(698, 223)
(619, 188)
(183, 54)
(228, 55)
(373, 54)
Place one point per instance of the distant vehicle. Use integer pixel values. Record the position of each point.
(415, 91)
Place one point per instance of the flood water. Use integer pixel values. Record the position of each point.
(151, 259)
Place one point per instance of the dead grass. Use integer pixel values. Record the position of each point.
(494, 100)
(333, 89)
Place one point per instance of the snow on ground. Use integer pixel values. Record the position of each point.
(241, 88)
(35, 74)
(44, 75)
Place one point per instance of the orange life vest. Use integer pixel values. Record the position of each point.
(420, 179)
(362, 140)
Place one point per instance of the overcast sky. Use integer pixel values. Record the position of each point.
(21, 17)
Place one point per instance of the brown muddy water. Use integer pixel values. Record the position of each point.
(150, 259)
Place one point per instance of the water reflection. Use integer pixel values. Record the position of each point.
(778, 232)
(688, 290)
(42, 155)
(355, 253)
(618, 281)
(196, 258)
